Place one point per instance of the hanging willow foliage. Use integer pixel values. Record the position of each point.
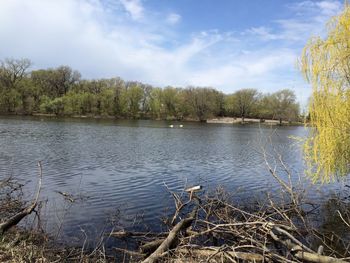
(325, 63)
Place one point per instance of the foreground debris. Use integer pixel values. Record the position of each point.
(16, 218)
(204, 227)
(211, 229)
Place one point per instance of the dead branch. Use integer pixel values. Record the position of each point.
(68, 197)
(170, 239)
(149, 247)
(301, 254)
(275, 175)
(14, 220)
(215, 252)
(275, 229)
(124, 234)
(312, 257)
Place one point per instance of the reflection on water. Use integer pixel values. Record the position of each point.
(124, 164)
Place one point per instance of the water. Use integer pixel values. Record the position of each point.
(123, 165)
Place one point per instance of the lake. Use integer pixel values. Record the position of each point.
(120, 167)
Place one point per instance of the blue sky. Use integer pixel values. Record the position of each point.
(224, 44)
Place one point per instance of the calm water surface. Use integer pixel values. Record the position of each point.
(123, 165)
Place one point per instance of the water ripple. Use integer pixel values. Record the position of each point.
(126, 163)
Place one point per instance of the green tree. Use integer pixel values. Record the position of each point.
(29, 95)
(134, 95)
(106, 100)
(245, 100)
(56, 82)
(156, 103)
(325, 63)
(55, 106)
(202, 102)
(170, 102)
(12, 74)
(264, 108)
(230, 105)
(284, 106)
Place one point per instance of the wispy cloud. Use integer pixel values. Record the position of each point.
(134, 7)
(327, 7)
(263, 32)
(173, 18)
(309, 18)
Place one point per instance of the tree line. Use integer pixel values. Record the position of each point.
(62, 91)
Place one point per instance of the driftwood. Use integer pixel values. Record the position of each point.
(312, 257)
(14, 220)
(170, 239)
(149, 247)
(125, 234)
(300, 253)
(194, 188)
(215, 252)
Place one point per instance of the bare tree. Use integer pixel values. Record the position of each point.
(13, 71)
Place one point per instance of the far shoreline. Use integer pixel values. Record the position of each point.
(238, 120)
(217, 120)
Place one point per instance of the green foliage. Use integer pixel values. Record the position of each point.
(10, 100)
(134, 95)
(325, 63)
(55, 106)
(283, 105)
(55, 82)
(245, 101)
(156, 103)
(202, 102)
(61, 91)
(106, 100)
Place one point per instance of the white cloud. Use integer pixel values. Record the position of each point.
(256, 67)
(173, 18)
(309, 18)
(327, 7)
(101, 40)
(262, 32)
(134, 7)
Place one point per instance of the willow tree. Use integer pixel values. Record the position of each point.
(325, 63)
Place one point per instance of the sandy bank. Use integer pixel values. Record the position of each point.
(229, 120)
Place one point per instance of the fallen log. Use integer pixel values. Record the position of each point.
(124, 234)
(312, 257)
(149, 247)
(296, 241)
(197, 253)
(14, 220)
(170, 239)
(300, 253)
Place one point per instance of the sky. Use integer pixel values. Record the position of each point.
(226, 44)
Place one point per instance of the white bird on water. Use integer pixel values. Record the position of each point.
(181, 126)
(171, 126)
